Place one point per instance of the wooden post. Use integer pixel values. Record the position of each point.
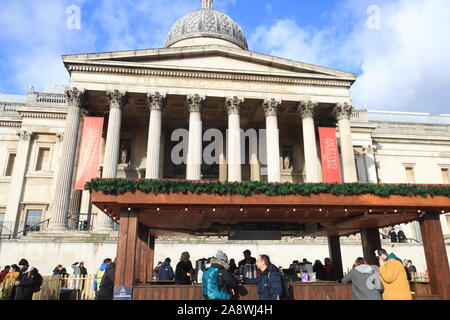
(126, 248)
(334, 247)
(436, 255)
(370, 239)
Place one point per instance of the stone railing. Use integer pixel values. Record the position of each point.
(50, 98)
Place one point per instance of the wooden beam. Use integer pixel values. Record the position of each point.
(334, 247)
(370, 239)
(435, 254)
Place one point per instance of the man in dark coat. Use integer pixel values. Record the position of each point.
(401, 236)
(165, 271)
(270, 282)
(26, 282)
(106, 291)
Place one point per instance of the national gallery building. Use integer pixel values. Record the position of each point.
(119, 118)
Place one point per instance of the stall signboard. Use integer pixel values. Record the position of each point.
(331, 169)
(123, 293)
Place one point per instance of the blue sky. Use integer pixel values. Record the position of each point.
(399, 48)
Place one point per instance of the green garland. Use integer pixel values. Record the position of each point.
(247, 188)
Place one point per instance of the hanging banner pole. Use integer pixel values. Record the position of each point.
(331, 168)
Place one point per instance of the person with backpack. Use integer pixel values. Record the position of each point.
(270, 280)
(365, 280)
(28, 282)
(106, 291)
(217, 281)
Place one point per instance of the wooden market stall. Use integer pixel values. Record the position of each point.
(148, 209)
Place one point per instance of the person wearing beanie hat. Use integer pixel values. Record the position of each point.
(28, 282)
(221, 256)
(23, 263)
(217, 281)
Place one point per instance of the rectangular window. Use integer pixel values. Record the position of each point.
(33, 218)
(10, 164)
(410, 175)
(2, 217)
(43, 160)
(445, 176)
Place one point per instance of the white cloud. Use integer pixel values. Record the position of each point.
(405, 65)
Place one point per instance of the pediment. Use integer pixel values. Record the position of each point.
(214, 58)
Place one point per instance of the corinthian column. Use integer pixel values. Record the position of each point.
(233, 107)
(271, 108)
(156, 102)
(306, 111)
(343, 113)
(117, 100)
(194, 103)
(63, 187)
(17, 177)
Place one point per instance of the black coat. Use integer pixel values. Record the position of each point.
(180, 273)
(321, 274)
(106, 291)
(27, 281)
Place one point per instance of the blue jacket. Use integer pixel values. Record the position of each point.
(270, 284)
(165, 272)
(99, 275)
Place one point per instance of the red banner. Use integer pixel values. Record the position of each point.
(331, 168)
(89, 151)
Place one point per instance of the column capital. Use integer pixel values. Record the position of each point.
(271, 107)
(343, 110)
(75, 97)
(306, 108)
(156, 101)
(194, 102)
(117, 99)
(24, 135)
(233, 104)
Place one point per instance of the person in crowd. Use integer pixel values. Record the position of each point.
(99, 274)
(393, 277)
(156, 269)
(165, 271)
(233, 266)
(401, 236)
(393, 236)
(365, 280)
(306, 261)
(411, 268)
(106, 290)
(184, 270)
(79, 269)
(27, 282)
(248, 259)
(13, 274)
(58, 269)
(218, 283)
(270, 282)
(329, 269)
(4, 272)
(319, 269)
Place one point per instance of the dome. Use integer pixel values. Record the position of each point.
(206, 23)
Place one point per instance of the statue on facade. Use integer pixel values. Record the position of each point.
(124, 154)
(287, 162)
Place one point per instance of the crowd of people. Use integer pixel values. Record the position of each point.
(389, 280)
(221, 277)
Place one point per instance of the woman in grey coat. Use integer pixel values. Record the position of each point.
(366, 283)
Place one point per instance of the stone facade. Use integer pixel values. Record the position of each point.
(197, 83)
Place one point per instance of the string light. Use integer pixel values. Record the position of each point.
(129, 209)
(320, 209)
(294, 209)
